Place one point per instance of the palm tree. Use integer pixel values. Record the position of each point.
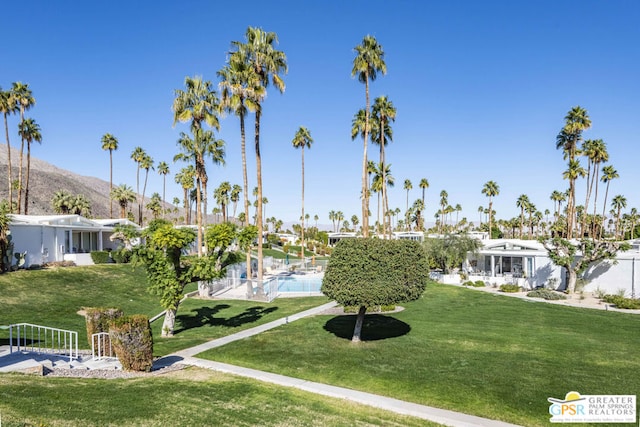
(222, 195)
(185, 178)
(531, 210)
(24, 99)
(196, 104)
(383, 113)
(110, 142)
(444, 201)
(599, 155)
(407, 186)
(424, 184)
(137, 155)
(618, 203)
(235, 197)
(259, 52)
(458, 209)
(146, 164)
(522, 203)
(301, 140)
(574, 171)
(608, 173)
(123, 194)
(556, 197)
(240, 86)
(332, 218)
(576, 121)
(62, 202)
(491, 190)
(155, 205)
(163, 170)
(8, 106)
(29, 131)
(368, 62)
(81, 206)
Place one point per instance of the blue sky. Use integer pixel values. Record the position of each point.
(481, 90)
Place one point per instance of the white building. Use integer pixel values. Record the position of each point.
(48, 238)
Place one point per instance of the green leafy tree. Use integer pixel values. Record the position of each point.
(110, 143)
(372, 272)
(450, 251)
(577, 256)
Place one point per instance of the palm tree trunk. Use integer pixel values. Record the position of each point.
(164, 187)
(199, 215)
(302, 218)
(138, 195)
(205, 179)
(186, 206)
(259, 208)
(26, 187)
(604, 209)
(6, 131)
(365, 162)
(110, 182)
(20, 169)
(144, 190)
(245, 184)
(595, 203)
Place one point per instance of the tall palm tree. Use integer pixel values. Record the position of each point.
(573, 172)
(222, 197)
(369, 61)
(301, 140)
(576, 121)
(531, 210)
(458, 209)
(522, 203)
(599, 155)
(618, 203)
(110, 142)
(163, 170)
(235, 197)
(185, 178)
(137, 155)
(596, 152)
(123, 194)
(491, 190)
(146, 164)
(407, 186)
(8, 106)
(383, 112)
(609, 173)
(424, 184)
(197, 104)
(24, 99)
(29, 131)
(260, 53)
(240, 86)
(444, 201)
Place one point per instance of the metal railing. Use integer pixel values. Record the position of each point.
(43, 339)
(101, 342)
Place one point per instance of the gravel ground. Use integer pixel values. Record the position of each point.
(109, 374)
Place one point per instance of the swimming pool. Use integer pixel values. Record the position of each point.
(296, 284)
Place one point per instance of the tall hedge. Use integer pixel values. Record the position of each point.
(370, 272)
(132, 341)
(98, 319)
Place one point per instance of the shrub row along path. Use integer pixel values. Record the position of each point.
(442, 416)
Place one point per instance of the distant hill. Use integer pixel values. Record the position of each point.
(45, 179)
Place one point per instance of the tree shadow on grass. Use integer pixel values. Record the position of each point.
(375, 327)
(205, 316)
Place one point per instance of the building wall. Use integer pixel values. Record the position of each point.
(612, 278)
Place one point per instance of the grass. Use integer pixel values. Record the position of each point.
(459, 349)
(54, 297)
(184, 398)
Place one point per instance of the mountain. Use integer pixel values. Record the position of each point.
(45, 179)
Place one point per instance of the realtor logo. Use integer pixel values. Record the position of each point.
(605, 408)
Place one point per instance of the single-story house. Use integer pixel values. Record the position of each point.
(48, 238)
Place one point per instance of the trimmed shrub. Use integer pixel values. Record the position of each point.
(622, 302)
(100, 257)
(376, 309)
(509, 288)
(98, 319)
(546, 294)
(476, 284)
(121, 256)
(132, 341)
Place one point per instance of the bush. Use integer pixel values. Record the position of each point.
(375, 309)
(509, 288)
(121, 256)
(100, 257)
(546, 294)
(54, 264)
(132, 341)
(622, 302)
(98, 319)
(476, 284)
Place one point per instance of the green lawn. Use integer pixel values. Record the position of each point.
(460, 349)
(191, 397)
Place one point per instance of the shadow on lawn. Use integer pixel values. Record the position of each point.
(205, 316)
(375, 327)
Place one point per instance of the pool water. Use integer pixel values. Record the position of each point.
(310, 284)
